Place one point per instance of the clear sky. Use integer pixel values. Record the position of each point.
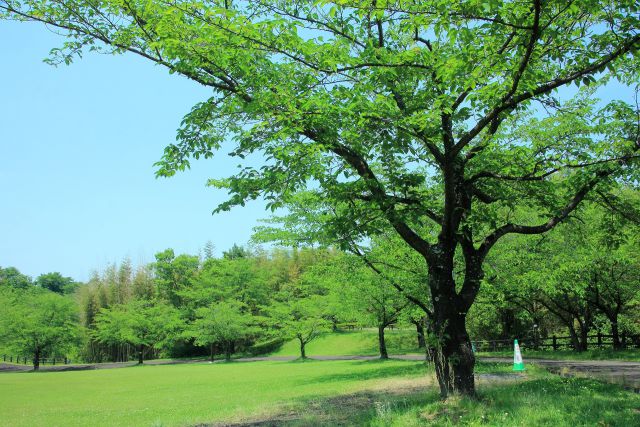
(77, 147)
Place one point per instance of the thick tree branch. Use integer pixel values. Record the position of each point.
(540, 177)
(393, 283)
(492, 238)
(406, 201)
(387, 206)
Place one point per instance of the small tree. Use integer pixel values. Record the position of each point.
(140, 324)
(302, 319)
(222, 323)
(368, 296)
(38, 323)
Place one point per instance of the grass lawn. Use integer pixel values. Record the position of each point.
(375, 393)
(632, 355)
(363, 342)
(183, 394)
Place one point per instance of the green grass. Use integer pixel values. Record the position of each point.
(323, 393)
(181, 394)
(364, 342)
(595, 354)
(544, 400)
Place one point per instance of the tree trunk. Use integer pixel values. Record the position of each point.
(584, 337)
(420, 332)
(575, 342)
(140, 354)
(212, 352)
(36, 360)
(454, 358)
(615, 332)
(227, 352)
(303, 355)
(382, 345)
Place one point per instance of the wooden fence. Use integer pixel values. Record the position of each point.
(24, 360)
(555, 343)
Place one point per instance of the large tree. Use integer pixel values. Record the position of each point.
(395, 112)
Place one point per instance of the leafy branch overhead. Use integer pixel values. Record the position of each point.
(363, 97)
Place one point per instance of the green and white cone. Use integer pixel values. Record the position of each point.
(518, 364)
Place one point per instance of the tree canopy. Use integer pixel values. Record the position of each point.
(38, 323)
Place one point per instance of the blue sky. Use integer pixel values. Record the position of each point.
(77, 147)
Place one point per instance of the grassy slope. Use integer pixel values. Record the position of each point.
(181, 394)
(364, 342)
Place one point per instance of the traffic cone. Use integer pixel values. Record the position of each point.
(518, 365)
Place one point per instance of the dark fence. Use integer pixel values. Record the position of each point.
(24, 360)
(555, 343)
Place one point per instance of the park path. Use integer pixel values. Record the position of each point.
(619, 372)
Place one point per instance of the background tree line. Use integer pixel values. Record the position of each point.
(582, 277)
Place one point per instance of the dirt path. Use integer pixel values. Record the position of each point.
(624, 373)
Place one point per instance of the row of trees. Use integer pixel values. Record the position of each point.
(585, 275)
(188, 305)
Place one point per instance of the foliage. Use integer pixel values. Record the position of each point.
(143, 324)
(222, 323)
(11, 277)
(57, 283)
(173, 274)
(590, 276)
(37, 323)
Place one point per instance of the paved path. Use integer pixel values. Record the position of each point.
(625, 373)
(614, 371)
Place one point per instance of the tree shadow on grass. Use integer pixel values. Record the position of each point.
(354, 409)
(550, 401)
